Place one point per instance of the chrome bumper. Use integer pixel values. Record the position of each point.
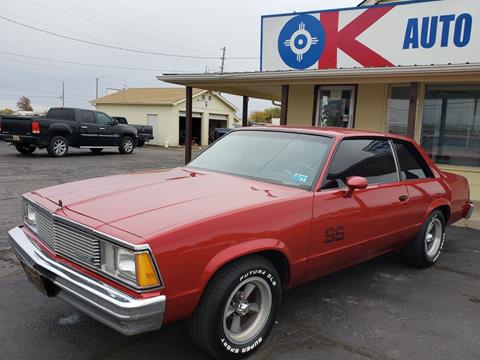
(470, 211)
(100, 301)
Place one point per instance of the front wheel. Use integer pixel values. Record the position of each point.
(126, 145)
(58, 146)
(425, 249)
(238, 309)
(25, 149)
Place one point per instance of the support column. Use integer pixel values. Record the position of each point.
(188, 125)
(412, 109)
(245, 111)
(315, 105)
(284, 110)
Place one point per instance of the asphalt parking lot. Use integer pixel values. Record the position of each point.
(382, 310)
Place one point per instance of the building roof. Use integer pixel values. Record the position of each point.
(146, 96)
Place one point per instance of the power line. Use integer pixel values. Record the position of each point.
(138, 51)
(87, 64)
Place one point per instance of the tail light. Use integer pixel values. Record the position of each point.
(35, 127)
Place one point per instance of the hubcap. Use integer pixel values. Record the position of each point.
(247, 310)
(128, 145)
(59, 147)
(433, 237)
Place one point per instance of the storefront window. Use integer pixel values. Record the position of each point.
(336, 106)
(451, 124)
(397, 112)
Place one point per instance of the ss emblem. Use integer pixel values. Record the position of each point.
(334, 234)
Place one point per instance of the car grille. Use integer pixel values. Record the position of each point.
(68, 241)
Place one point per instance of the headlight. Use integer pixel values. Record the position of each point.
(135, 268)
(30, 216)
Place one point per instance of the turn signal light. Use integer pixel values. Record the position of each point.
(35, 127)
(146, 274)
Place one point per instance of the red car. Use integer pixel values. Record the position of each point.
(260, 211)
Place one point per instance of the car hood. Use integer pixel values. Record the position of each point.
(146, 203)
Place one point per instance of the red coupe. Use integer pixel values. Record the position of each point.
(260, 211)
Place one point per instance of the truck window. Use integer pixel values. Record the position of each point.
(370, 158)
(86, 117)
(412, 164)
(103, 119)
(61, 114)
(121, 120)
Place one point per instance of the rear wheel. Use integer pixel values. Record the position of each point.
(425, 249)
(96, 150)
(25, 149)
(58, 146)
(238, 309)
(140, 143)
(126, 145)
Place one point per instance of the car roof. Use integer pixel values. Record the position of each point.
(326, 131)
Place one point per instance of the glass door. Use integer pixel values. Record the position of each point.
(336, 106)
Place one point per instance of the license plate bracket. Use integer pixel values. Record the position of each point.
(38, 281)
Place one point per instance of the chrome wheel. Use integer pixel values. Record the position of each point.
(59, 147)
(247, 310)
(128, 145)
(433, 237)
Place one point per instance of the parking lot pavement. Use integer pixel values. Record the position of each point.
(381, 310)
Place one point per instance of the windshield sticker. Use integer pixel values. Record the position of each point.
(300, 178)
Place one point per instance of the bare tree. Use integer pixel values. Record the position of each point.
(24, 104)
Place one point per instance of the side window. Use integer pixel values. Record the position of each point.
(61, 114)
(370, 158)
(103, 119)
(412, 164)
(86, 117)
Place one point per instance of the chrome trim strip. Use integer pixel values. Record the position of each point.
(395, 157)
(105, 303)
(470, 212)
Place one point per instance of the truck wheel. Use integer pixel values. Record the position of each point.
(425, 249)
(96, 150)
(237, 309)
(25, 149)
(58, 146)
(140, 143)
(126, 145)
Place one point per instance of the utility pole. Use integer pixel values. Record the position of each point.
(63, 93)
(224, 49)
(96, 84)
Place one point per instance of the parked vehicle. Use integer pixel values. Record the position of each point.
(218, 241)
(65, 127)
(219, 132)
(144, 132)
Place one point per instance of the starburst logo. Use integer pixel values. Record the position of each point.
(301, 41)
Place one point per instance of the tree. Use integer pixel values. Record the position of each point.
(6, 111)
(24, 104)
(266, 115)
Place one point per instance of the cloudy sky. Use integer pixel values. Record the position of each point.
(34, 63)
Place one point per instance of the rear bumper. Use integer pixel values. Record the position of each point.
(100, 301)
(470, 211)
(24, 139)
(145, 137)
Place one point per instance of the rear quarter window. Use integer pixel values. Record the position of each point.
(411, 162)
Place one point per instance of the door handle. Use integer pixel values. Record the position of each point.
(102, 128)
(403, 198)
(83, 127)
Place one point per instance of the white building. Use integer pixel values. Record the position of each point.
(164, 109)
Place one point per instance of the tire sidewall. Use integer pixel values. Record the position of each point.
(435, 215)
(228, 348)
(51, 149)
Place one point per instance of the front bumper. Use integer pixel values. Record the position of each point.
(100, 301)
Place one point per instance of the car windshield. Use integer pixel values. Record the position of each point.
(279, 157)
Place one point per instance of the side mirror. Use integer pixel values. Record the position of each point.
(354, 183)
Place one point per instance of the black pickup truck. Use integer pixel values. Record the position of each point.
(144, 132)
(64, 127)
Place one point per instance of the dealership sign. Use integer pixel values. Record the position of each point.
(400, 34)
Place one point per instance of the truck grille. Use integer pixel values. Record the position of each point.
(68, 241)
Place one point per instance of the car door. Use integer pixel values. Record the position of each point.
(348, 230)
(108, 130)
(88, 129)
